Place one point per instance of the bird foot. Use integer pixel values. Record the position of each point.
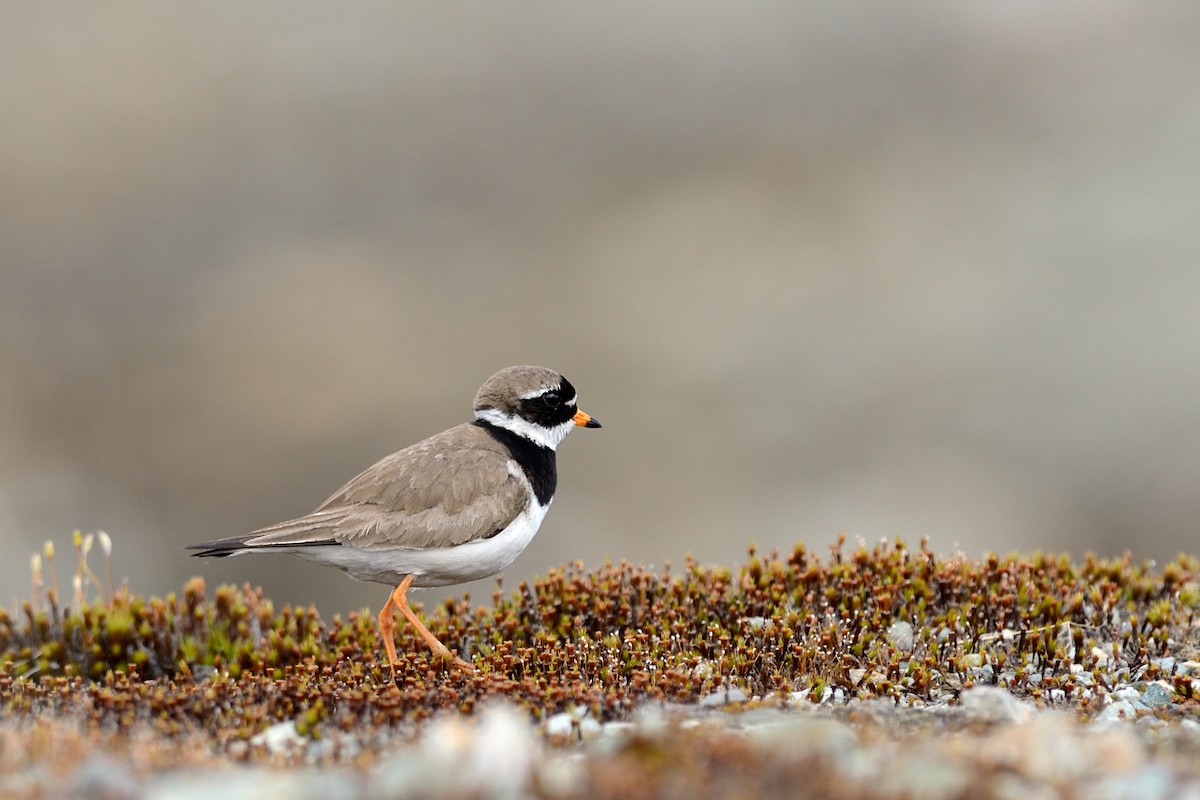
(445, 656)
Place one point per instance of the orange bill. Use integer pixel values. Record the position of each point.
(584, 420)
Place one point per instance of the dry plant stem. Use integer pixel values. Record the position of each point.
(48, 549)
(398, 601)
(112, 587)
(82, 547)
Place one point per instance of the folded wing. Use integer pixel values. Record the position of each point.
(452, 488)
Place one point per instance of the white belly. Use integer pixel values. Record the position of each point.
(435, 566)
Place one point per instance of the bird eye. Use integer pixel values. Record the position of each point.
(552, 399)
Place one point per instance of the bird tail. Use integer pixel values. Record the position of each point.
(222, 548)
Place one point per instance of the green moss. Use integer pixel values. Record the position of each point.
(610, 638)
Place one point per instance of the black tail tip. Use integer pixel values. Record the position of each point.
(218, 549)
(213, 554)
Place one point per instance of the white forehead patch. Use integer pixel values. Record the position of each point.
(535, 393)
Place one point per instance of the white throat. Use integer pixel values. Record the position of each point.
(546, 437)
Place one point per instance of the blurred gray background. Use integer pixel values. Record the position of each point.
(881, 269)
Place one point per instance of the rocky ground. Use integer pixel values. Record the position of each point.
(882, 671)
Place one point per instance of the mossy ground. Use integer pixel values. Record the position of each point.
(200, 673)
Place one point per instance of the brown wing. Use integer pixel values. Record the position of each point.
(451, 488)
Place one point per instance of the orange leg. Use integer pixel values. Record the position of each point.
(398, 601)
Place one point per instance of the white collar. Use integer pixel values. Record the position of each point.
(546, 437)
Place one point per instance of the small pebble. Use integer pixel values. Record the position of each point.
(1119, 711)
(1158, 695)
(1128, 694)
(279, 738)
(723, 697)
(993, 704)
(901, 635)
(984, 674)
(559, 725)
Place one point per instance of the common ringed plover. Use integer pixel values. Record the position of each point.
(456, 507)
